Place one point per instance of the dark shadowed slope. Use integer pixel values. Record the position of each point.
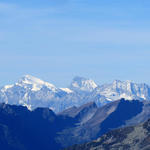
(128, 138)
(106, 118)
(21, 129)
(126, 110)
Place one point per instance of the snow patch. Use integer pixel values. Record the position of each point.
(67, 90)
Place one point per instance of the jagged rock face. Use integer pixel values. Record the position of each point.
(120, 89)
(33, 92)
(128, 138)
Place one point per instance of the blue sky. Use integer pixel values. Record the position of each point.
(56, 40)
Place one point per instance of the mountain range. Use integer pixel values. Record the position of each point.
(41, 128)
(93, 122)
(33, 92)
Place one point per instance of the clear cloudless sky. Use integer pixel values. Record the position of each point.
(56, 40)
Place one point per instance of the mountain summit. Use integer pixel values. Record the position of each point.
(125, 89)
(35, 83)
(82, 84)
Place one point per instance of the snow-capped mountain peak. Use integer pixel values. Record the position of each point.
(33, 92)
(124, 89)
(83, 84)
(36, 83)
(28, 79)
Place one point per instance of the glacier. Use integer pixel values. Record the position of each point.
(33, 92)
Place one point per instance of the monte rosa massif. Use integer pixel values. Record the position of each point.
(33, 92)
